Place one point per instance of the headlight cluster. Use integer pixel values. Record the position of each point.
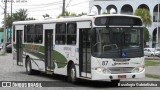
(138, 69)
(102, 70)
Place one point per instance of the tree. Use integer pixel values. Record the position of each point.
(105, 13)
(9, 21)
(20, 15)
(46, 15)
(30, 18)
(1, 29)
(146, 18)
(67, 13)
(81, 14)
(146, 35)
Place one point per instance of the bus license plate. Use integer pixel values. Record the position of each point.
(121, 76)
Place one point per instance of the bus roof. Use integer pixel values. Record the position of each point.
(69, 19)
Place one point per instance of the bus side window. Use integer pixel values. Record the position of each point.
(30, 33)
(25, 33)
(38, 34)
(60, 38)
(71, 33)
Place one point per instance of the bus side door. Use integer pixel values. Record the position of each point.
(84, 50)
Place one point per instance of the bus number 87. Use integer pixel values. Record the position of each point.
(104, 63)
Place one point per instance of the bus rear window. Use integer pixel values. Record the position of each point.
(118, 21)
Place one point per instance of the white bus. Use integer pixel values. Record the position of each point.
(103, 47)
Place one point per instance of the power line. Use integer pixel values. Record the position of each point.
(38, 4)
(44, 10)
(68, 3)
(78, 3)
(39, 7)
(54, 8)
(2, 7)
(73, 5)
(31, 10)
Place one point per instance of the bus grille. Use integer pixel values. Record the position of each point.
(116, 70)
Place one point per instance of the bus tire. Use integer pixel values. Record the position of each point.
(29, 69)
(72, 74)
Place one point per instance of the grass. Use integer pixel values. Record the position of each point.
(153, 76)
(152, 62)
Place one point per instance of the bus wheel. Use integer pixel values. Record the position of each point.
(29, 67)
(72, 74)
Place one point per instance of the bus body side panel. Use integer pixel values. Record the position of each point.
(64, 54)
(39, 63)
(69, 52)
(36, 63)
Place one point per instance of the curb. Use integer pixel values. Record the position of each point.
(152, 58)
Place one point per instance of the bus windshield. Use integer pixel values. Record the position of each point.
(117, 42)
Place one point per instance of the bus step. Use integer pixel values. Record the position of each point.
(49, 72)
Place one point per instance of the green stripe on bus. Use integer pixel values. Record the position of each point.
(39, 52)
(60, 59)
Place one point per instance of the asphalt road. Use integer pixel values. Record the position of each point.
(11, 72)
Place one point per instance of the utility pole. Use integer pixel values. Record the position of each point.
(11, 7)
(158, 23)
(63, 8)
(11, 27)
(4, 36)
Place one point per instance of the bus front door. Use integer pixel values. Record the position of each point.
(19, 47)
(48, 49)
(84, 53)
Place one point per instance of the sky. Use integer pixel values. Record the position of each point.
(37, 8)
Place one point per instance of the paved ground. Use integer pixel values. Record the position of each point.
(13, 69)
(10, 72)
(153, 70)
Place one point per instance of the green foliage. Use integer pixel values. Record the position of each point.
(1, 29)
(152, 76)
(105, 13)
(81, 14)
(20, 15)
(152, 63)
(146, 34)
(30, 18)
(67, 13)
(46, 15)
(147, 21)
(9, 21)
(145, 16)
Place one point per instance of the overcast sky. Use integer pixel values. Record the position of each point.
(37, 8)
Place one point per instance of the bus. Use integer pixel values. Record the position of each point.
(101, 47)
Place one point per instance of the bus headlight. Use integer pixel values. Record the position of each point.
(138, 69)
(102, 70)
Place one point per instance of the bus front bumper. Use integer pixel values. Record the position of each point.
(102, 76)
